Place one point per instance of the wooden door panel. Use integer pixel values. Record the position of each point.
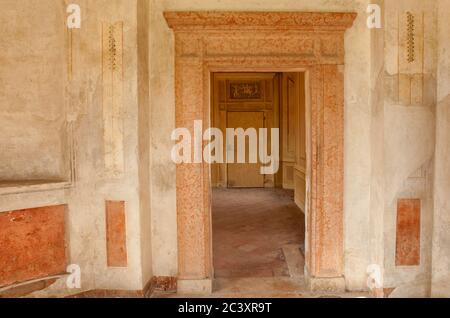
(244, 175)
(244, 92)
(290, 105)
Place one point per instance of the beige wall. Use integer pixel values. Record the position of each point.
(441, 230)
(409, 123)
(76, 102)
(94, 184)
(376, 218)
(32, 106)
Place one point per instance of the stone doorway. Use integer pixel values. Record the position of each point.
(312, 43)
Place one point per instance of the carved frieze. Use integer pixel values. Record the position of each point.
(288, 34)
(298, 44)
(315, 21)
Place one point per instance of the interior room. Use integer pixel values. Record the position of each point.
(259, 220)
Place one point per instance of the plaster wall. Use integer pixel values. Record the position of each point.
(376, 218)
(409, 135)
(31, 92)
(94, 185)
(441, 229)
(69, 73)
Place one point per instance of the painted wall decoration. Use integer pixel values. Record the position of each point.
(411, 50)
(113, 129)
(250, 90)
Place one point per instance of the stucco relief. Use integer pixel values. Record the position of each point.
(247, 41)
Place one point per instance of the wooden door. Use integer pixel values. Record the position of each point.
(300, 162)
(293, 116)
(238, 99)
(244, 175)
(290, 109)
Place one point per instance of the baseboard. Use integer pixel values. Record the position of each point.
(27, 288)
(165, 284)
(325, 284)
(199, 287)
(108, 293)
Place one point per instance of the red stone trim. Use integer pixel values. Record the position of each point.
(260, 20)
(208, 42)
(164, 283)
(23, 259)
(408, 232)
(116, 239)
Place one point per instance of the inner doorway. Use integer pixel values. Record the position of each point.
(258, 220)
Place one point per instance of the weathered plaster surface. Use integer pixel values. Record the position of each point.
(441, 230)
(376, 218)
(73, 98)
(409, 136)
(32, 120)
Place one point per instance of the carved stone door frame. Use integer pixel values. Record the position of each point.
(313, 43)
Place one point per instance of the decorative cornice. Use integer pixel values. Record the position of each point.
(216, 20)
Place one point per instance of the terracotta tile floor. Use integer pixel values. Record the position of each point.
(257, 233)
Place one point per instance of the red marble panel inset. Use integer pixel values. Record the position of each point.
(408, 232)
(32, 244)
(116, 239)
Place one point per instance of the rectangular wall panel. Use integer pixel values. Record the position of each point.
(32, 244)
(116, 240)
(113, 108)
(408, 232)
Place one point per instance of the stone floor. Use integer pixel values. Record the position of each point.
(257, 233)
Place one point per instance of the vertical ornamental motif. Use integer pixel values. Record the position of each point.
(112, 76)
(410, 38)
